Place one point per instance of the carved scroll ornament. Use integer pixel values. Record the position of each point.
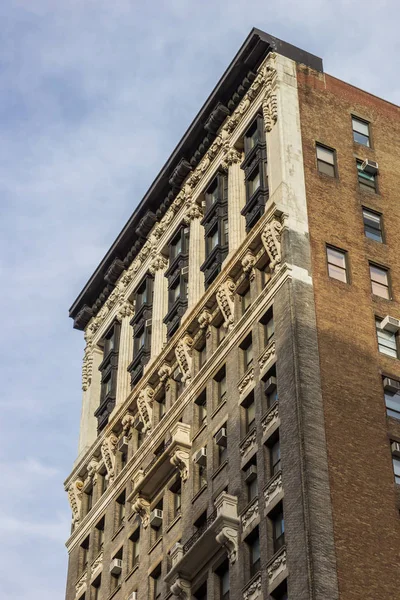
(183, 353)
(225, 300)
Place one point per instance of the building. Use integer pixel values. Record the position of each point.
(263, 262)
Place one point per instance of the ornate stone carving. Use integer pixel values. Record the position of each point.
(270, 102)
(181, 588)
(142, 507)
(126, 310)
(246, 380)
(96, 563)
(180, 460)
(92, 470)
(204, 320)
(277, 566)
(272, 415)
(225, 300)
(87, 367)
(108, 449)
(228, 537)
(75, 499)
(250, 515)
(127, 424)
(271, 238)
(232, 157)
(183, 353)
(267, 355)
(145, 407)
(253, 591)
(158, 263)
(193, 211)
(164, 374)
(248, 262)
(81, 583)
(248, 443)
(274, 488)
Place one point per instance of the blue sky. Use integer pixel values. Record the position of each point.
(94, 95)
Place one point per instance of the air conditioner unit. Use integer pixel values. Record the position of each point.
(390, 324)
(391, 385)
(185, 270)
(221, 437)
(369, 166)
(270, 385)
(200, 458)
(250, 474)
(138, 423)
(147, 323)
(156, 517)
(395, 448)
(123, 444)
(116, 566)
(133, 596)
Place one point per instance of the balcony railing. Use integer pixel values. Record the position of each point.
(197, 535)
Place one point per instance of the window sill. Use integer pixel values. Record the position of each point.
(114, 592)
(155, 544)
(223, 403)
(201, 490)
(377, 298)
(120, 528)
(132, 571)
(219, 469)
(174, 522)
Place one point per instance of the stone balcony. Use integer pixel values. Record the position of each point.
(220, 529)
(248, 446)
(250, 517)
(174, 454)
(253, 590)
(270, 421)
(277, 569)
(246, 383)
(267, 358)
(273, 492)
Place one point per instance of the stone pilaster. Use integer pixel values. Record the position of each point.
(236, 198)
(196, 254)
(160, 305)
(125, 352)
(90, 398)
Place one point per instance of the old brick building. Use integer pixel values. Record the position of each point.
(240, 429)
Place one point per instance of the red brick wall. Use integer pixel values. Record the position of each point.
(365, 507)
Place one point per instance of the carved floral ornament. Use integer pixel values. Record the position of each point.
(183, 353)
(75, 499)
(108, 449)
(159, 263)
(145, 407)
(271, 238)
(226, 303)
(266, 78)
(193, 211)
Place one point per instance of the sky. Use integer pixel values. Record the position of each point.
(94, 96)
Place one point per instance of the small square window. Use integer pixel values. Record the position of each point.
(367, 181)
(372, 225)
(337, 268)
(379, 281)
(326, 160)
(360, 131)
(387, 343)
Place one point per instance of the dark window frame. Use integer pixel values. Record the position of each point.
(320, 161)
(109, 370)
(141, 324)
(355, 133)
(346, 263)
(255, 159)
(370, 228)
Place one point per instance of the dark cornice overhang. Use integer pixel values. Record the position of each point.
(187, 154)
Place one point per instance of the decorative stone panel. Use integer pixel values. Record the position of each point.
(80, 585)
(271, 421)
(246, 383)
(248, 445)
(250, 516)
(253, 590)
(273, 492)
(144, 404)
(183, 353)
(271, 238)
(226, 303)
(277, 569)
(96, 564)
(108, 449)
(75, 500)
(267, 357)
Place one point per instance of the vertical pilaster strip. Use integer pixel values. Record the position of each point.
(196, 254)
(125, 352)
(236, 199)
(90, 402)
(160, 305)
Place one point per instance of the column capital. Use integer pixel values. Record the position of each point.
(193, 211)
(158, 263)
(232, 157)
(126, 310)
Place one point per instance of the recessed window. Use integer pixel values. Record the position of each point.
(360, 131)
(220, 378)
(202, 355)
(387, 343)
(247, 352)
(254, 552)
(95, 588)
(367, 181)
(176, 247)
(177, 377)
(161, 407)
(120, 509)
(275, 454)
(372, 225)
(224, 585)
(212, 194)
(201, 403)
(201, 593)
(116, 570)
(278, 529)
(379, 281)
(270, 387)
(246, 300)
(254, 182)
(251, 479)
(337, 267)
(85, 553)
(221, 441)
(176, 490)
(176, 292)
(396, 469)
(134, 549)
(267, 321)
(326, 161)
(392, 401)
(252, 137)
(156, 583)
(100, 534)
(250, 411)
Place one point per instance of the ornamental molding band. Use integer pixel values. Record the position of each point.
(226, 302)
(181, 588)
(228, 537)
(270, 102)
(253, 591)
(193, 211)
(183, 353)
(248, 263)
(126, 310)
(159, 263)
(271, 238)
(75, 500)
(180, 460)
(277, 566)
(145, 407)
(270, 418)
(108, 449)
(141, 507)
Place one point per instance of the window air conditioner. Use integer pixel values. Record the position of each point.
(156, 517)
(116, 566)
(391, 385)
(185, 270)
(369, 166)
(123, 444)
(250, 474)
(390, 324)
(270, 385)
(147, 323)
(395, 447)
(200, 458)
(133, 596)
(221, 437)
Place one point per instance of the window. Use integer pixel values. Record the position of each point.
(396, 469)
(267, 322)
(275, 454)
(250, 412)
(246, 300)
(202, 476)
(116, 572)
(270, 387)
(247, 351)
(278, 529)
(215, 224)
(212, 194)
(254, 167)
(134, 549)
(386, 340)
(254, 182)
(280, 593)
(220, 378)
(141, 323)
(161, 407)
(221, 441)
(100, 534)
(224, 584)
(176, 291)
(372, 225)
(176, 491)
(337, 267)
(379, 281)
(367, 181)
(176, 247)
(252, 138)
(157, 525)
(156, 583)
(108, 368)
(89, 499)
(250, 474)
(201, 403)
(326, 160)
(120, 510)
(95, 588)
(360, 131)
(85, 553)
(254, 551)
(201, 593)
(392, 401)
(202, 355)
